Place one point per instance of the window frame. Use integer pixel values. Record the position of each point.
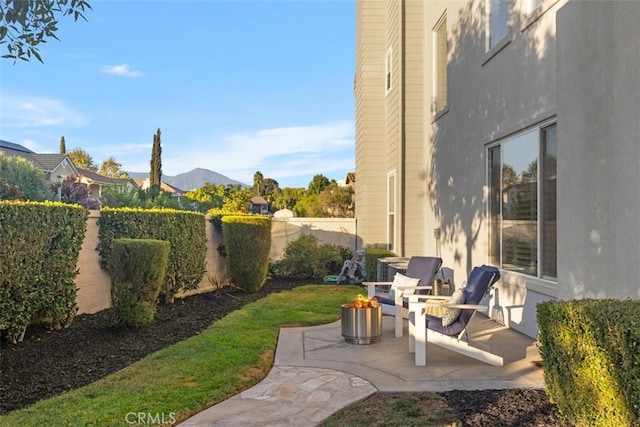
(391, 202)
(541, 192)
(440, 64)
(491, 43)
(388, 71)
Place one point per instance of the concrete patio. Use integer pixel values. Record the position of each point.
(316, 373)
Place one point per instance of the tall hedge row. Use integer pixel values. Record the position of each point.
(247, 240)
(138, 268)
(185, 231)
(591, 355)
(39, 247)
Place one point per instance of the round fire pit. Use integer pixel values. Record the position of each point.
(361, 325)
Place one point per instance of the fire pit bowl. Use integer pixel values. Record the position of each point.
(362, 323)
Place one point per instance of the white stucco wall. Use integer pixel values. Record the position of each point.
(336, 231)
(599, 150)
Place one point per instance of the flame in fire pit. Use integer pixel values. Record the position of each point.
(363, 302)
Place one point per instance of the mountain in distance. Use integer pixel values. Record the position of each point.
(191, 180)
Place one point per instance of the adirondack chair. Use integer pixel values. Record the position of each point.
(449, 331)
(418, 278)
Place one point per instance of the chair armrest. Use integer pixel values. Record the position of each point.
(419, 307)
(371, 287)
(417, 297)
(460, 306)
(402, 288)
(465, 306)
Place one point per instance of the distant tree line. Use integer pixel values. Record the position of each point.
(322, 197)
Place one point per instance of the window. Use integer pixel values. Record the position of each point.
(522, 208)
(496, 22)
(387, 71)
(440, 64)
(391, 210)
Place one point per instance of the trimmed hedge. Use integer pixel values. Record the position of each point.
(371, 256)
(137, 269)
(39, 247)
(185, 231)
(247, 240)
(591, 355)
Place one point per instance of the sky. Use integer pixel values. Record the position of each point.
(234, 86)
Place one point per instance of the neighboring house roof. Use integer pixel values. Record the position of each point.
(143, 183)
(125, 181)
(97, 178)
(171, 189)
(351, 178)
(14, 147)
(48, 162)
(258, 200)
(45, 162)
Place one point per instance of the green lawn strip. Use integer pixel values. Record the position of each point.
(232, 355)
(424, 409)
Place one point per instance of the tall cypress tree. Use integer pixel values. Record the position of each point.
(156, 162)
(63, 146)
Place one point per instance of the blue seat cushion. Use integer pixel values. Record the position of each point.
(435, 323)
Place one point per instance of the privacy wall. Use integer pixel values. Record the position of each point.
(94, 284)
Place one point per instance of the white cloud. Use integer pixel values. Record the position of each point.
(121, 70)
(19, 111)
(31, 145)
(277, 152)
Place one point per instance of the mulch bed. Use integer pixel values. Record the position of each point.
(47, 364)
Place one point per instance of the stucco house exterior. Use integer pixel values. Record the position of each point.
(97, 182)
(503, 132)
(176, 193)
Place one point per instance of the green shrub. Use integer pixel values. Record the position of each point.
(304, 257)
(591, 355)
(247, 240)
(137, 269)
(21, 180)
(331, 259)
(371, 256)
(185, 231)
(39, 248)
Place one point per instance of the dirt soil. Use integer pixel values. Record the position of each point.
(47, 364)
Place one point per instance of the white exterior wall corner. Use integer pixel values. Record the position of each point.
(598, 150)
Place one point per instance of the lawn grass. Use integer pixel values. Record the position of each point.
(424, 409)
(175, 383)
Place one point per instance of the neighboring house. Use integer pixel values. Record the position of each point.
(97, 182)
(258, 205)
(175, 192)
(454, 97)
(56, 167)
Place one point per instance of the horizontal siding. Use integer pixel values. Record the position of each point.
(370, 113)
